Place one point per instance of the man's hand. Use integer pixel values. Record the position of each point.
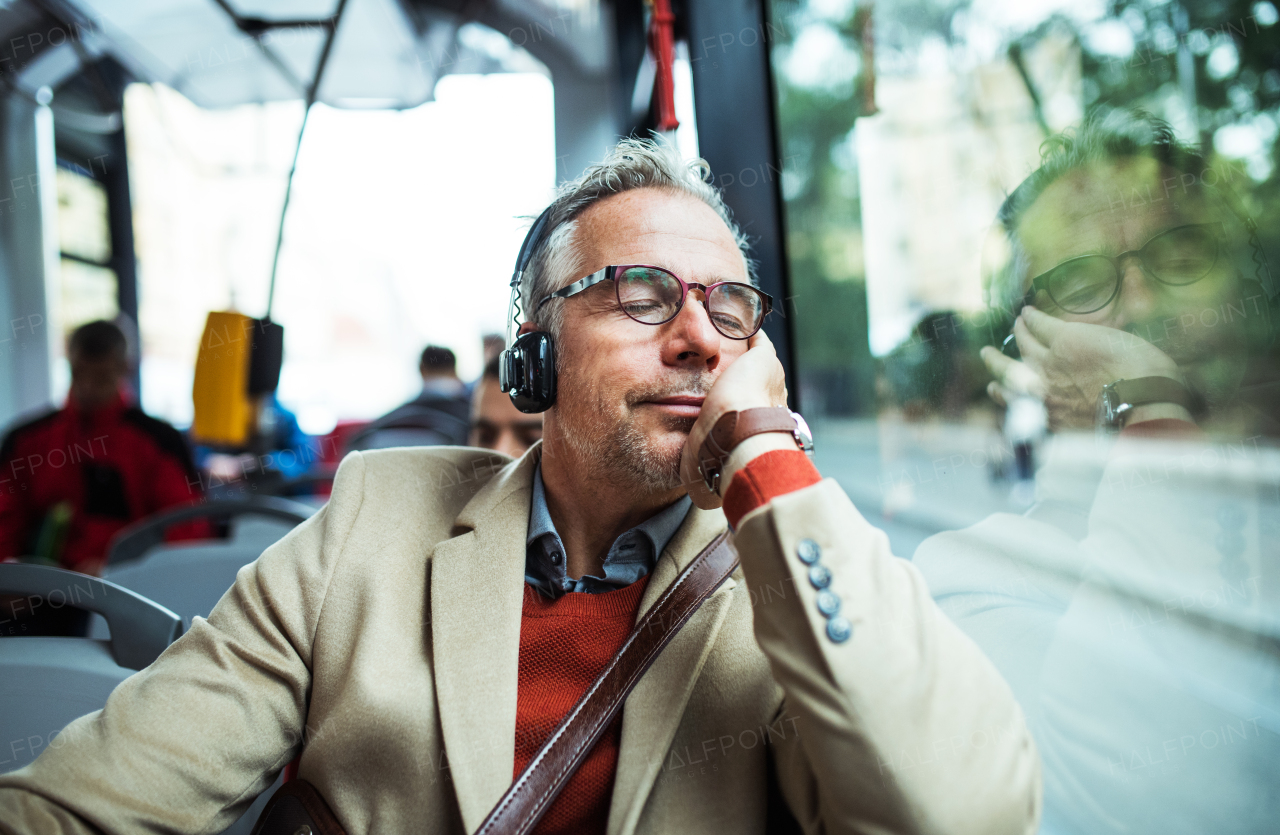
(1066, 364)
(754, 379)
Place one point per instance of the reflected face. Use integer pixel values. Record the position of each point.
(498, 425)
(1121, 206)
(95, 382)
(628, 392)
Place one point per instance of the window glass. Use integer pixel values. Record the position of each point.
(1089, 484)
(401, 231)
(83, 227)
(89, 292)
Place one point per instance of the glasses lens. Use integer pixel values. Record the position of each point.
(1181, 256)
(737, 310)
(1082, 285)
(648, 294)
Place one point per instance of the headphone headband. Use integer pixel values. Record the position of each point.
(530, 245)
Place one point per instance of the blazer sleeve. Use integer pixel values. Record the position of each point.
(904, 726)
(188, 743)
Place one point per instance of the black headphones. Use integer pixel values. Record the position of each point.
(527, 369)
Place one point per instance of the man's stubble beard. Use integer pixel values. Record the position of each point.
(614, 444)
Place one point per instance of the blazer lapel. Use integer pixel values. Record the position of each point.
(477, 587)
(655, 707)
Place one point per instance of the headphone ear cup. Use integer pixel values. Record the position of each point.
(528, 372)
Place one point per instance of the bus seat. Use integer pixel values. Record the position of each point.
(138, 539)
(188, 579)
(46, 682)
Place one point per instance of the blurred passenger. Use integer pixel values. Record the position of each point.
(1133, 608)
(436, 417)
(495, 423)
(493, 344)
(74, 477)
(281, 452)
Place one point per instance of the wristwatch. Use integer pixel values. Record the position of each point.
(735, 427)
(1118, 399)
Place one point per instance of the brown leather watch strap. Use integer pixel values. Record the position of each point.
(1144, 390)
(528, 798)
(732, 429)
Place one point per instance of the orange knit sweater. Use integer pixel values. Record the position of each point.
(564, 645)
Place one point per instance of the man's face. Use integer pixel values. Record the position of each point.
(498, 425)
(95, 382)
(628, 393)
(1118, 207)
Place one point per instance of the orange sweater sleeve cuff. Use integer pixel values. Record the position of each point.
(766, 476)
(1163, 428)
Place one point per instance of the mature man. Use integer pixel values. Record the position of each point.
(1131, 608)
(74, 477)
(438, 415)
(417, 640)
(495, 422)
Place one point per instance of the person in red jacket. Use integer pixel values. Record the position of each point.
(72, 478)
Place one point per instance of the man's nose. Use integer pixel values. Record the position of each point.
(690, 339)
(1139, 295)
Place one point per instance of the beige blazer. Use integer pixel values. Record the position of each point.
(380, 639)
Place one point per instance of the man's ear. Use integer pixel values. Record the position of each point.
(527, 327)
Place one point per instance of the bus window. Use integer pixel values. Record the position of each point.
(1034, 327)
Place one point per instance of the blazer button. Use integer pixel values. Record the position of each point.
(828, 603)
(808, 551)
(820, 576)
(839, 629)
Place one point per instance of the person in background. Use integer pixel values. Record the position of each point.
(493, 345)
(281, 452)
(495, 423)
(436, 417)
(72, 478)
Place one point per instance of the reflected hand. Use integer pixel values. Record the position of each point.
(754, 379)
(1066, 364)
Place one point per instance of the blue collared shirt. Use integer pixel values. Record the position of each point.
(632, 555)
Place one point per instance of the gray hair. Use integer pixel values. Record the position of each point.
(631, 164)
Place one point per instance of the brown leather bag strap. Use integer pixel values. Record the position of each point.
(297, 808)
(528, 798)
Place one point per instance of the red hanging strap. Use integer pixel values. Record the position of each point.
(662, 37)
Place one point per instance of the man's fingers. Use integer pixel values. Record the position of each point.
(996, 393)
(1043, 327)
(760, 338)
(1033, 349)
(996, 362)
(1012, 376)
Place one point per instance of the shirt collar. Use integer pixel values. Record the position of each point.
(632, 555)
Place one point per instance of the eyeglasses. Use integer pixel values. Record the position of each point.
(654, 296)
(1178, 257)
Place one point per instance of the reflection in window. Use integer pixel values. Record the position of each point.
(1093, 496)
